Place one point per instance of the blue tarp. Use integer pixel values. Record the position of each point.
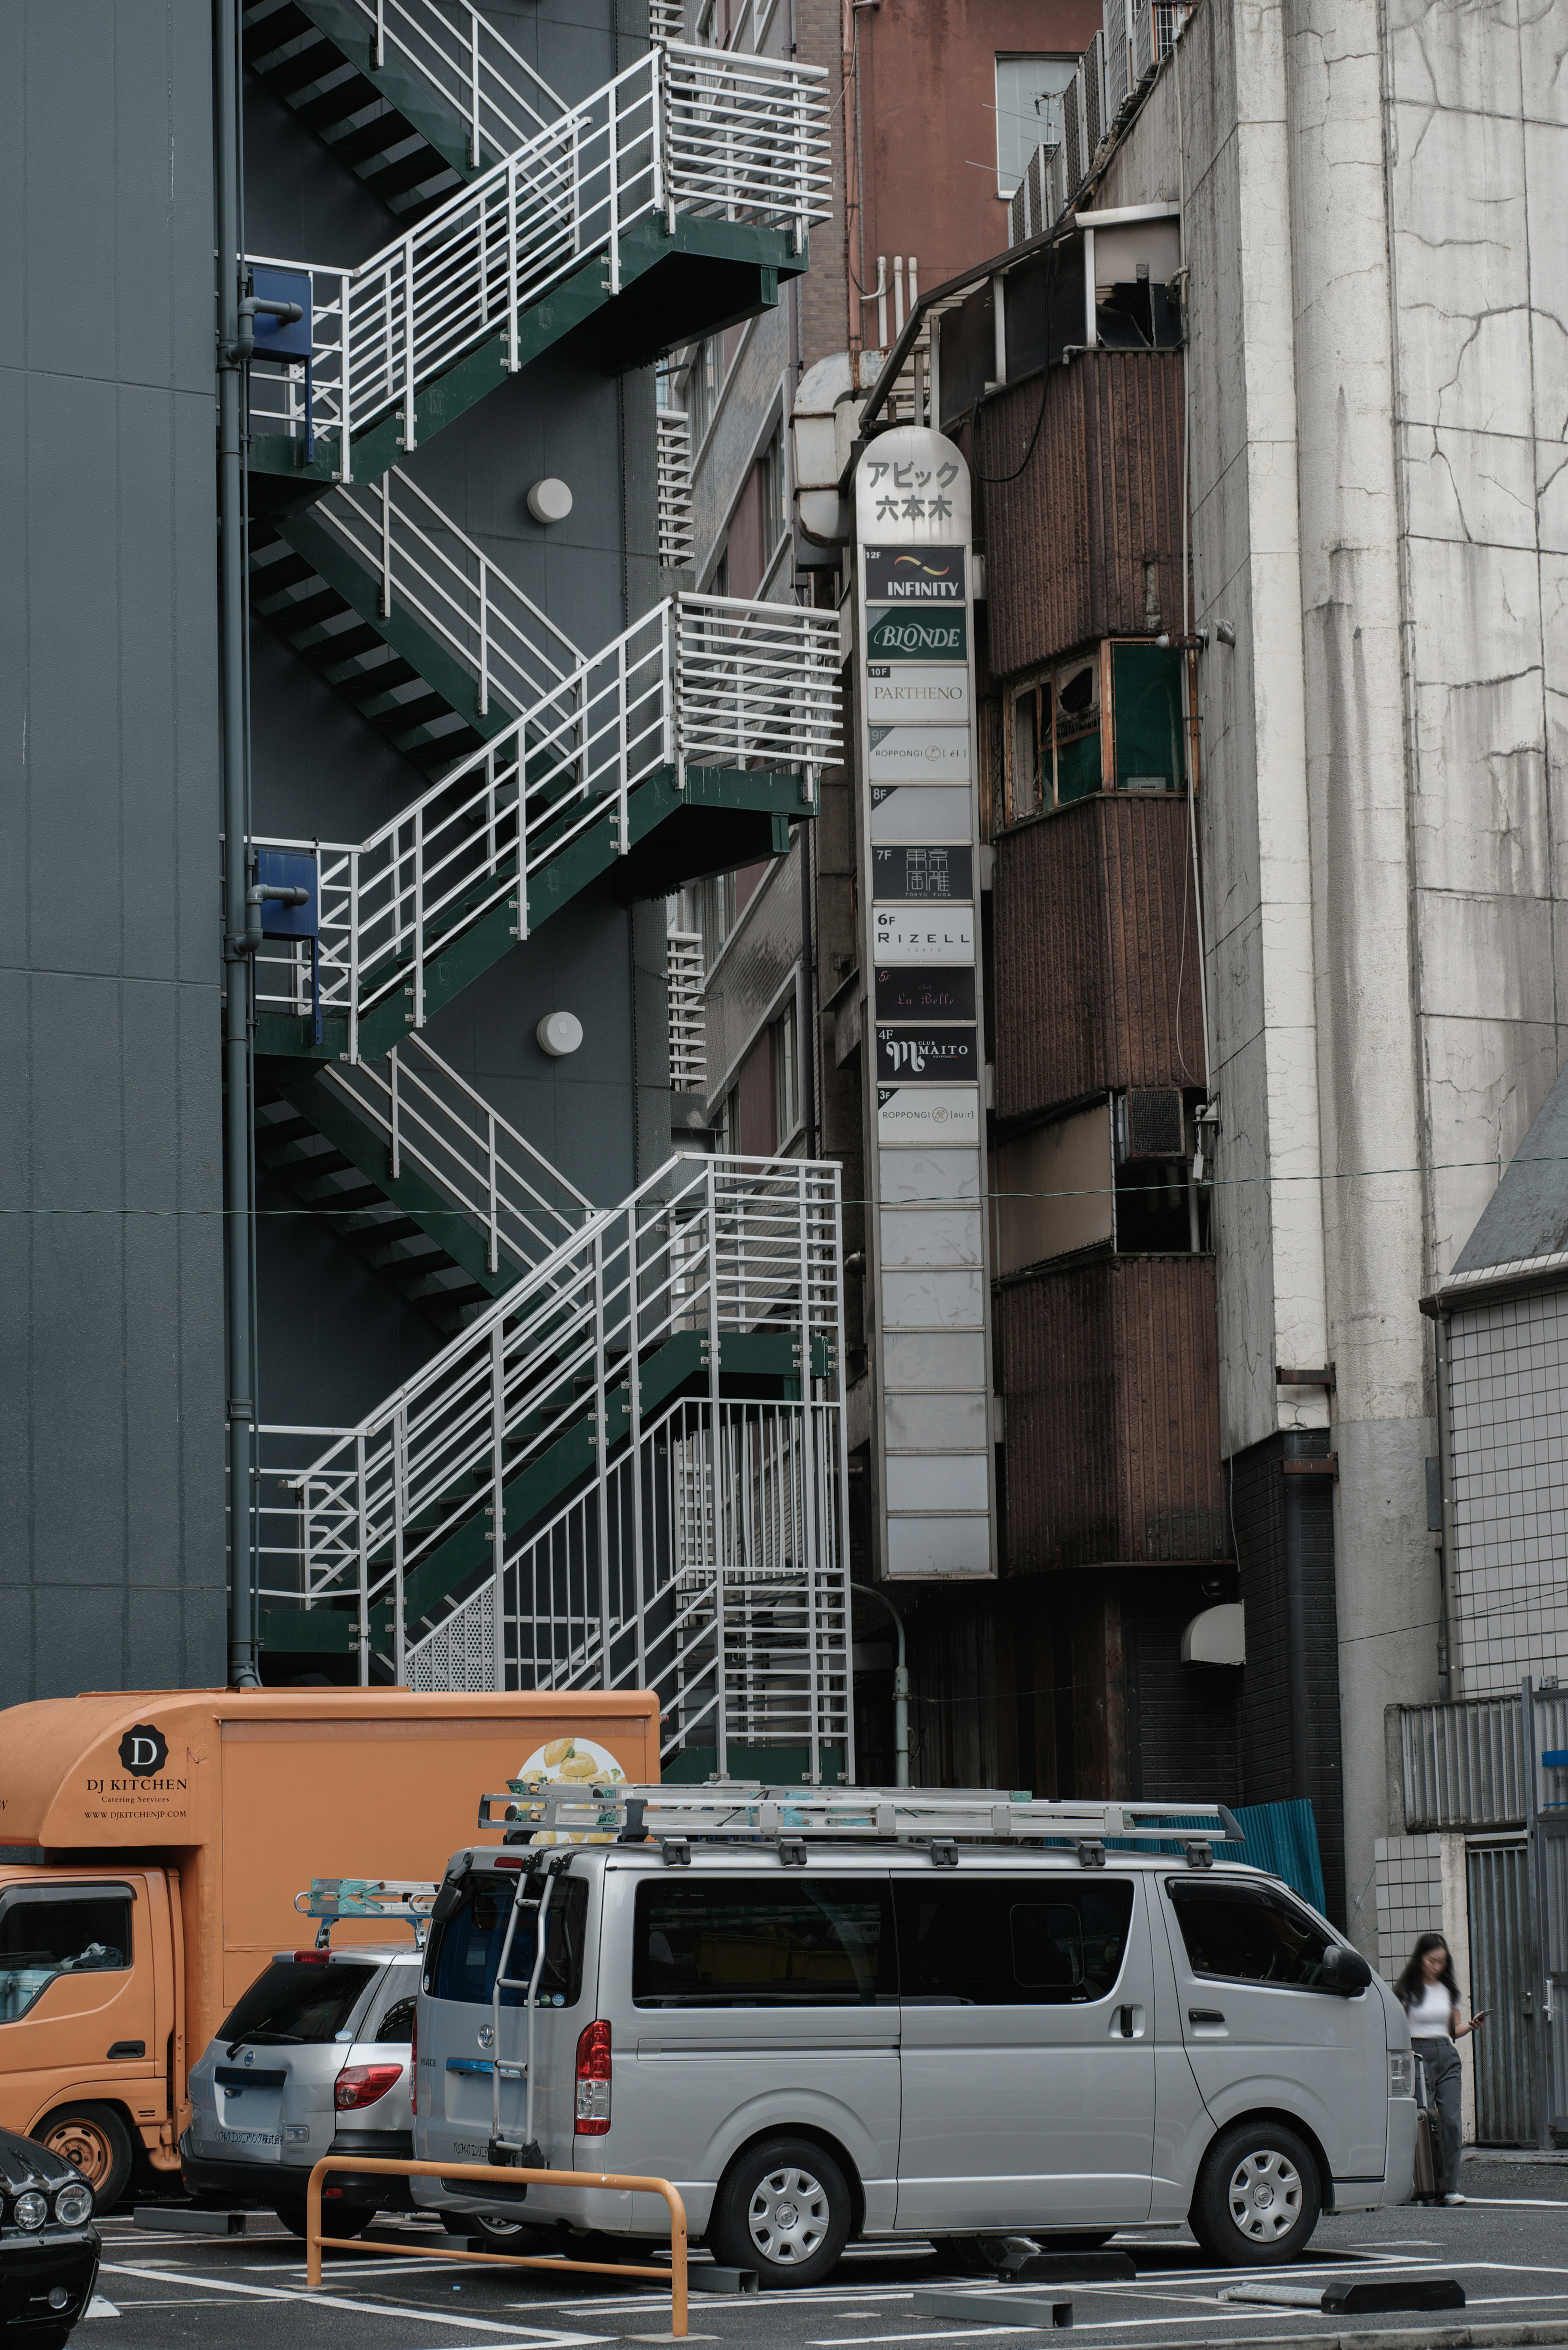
(1280, 1837)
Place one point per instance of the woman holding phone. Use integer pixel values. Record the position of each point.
(1429, 1992)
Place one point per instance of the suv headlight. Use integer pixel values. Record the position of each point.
(1402, 2075)
(73, 2205)
(30, 2210)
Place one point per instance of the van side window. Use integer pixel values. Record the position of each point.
(738, 1942)
(465, 1952)
(43, 1935)
(1009, 1941)
(1247, 1933)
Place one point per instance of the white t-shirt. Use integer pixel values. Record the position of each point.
(1432, 2016)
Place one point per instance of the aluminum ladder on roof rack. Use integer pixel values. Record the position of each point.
(745, 1810)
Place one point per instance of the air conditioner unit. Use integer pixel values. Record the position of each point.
(1116, 40)
(1150, 1125)
(1091, 73)
(1144, 59)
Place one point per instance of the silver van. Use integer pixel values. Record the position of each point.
(819, 2041)
(314, 2059)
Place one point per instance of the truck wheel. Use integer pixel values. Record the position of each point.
(1258, 2198)
(96, 2139)
(784, 2211)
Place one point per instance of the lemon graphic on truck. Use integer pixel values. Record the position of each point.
(564, 1760)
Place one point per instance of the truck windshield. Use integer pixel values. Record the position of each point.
(299, 2006)
(467, 1948)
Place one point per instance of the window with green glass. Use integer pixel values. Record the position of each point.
(1146, 686)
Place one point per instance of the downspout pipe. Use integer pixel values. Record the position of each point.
(900, 1684)
(235, 342)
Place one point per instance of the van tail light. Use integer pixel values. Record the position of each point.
(414, 2064)
(361, 2085)
(594, 2080)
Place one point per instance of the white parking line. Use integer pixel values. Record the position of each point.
(542, 2338)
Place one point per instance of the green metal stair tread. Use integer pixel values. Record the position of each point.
(762, 255)
(334, 562)
(330, 1112)
(289, 614)
(418, 104)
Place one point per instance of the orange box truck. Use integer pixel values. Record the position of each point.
(172, 1830)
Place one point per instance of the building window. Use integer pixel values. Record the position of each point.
(1031, 727)
(786, 1074)
(1028, 112)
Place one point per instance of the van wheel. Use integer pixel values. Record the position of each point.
(784, 2211)
(97, 2141)
(1258, 2197)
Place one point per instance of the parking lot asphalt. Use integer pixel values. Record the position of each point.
(1508, 2246)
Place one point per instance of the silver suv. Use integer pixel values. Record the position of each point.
(315, 2059)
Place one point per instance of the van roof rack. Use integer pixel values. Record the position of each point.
(749, 1811)
(405, 1899)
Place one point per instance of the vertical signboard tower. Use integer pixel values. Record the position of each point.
(929, 1321)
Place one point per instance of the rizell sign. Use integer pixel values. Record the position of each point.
(143, 1750)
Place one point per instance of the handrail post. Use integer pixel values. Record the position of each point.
(623, 763)
(473, 88)
(601, 1447)
(512, 361)
(399, 1523)
(634, 1431)
(612, 134)
(386, 542)
(419, 1016)
(354, 957)
(346, 420)
(494, 1210)
(498, 1503)
(409, 435)
(716, 1534)
(484, 636)
(677, 694)
(394, 1167)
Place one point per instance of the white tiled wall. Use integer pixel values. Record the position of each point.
(1410, 1897)
(1508, 1417)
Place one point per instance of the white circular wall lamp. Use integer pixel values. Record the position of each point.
(549, 500)
(559, 1033)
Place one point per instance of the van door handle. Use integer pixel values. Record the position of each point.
(1129, 2021)
(1204, 2015)
(127, 2048)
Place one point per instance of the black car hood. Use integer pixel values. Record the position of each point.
(25, 2163)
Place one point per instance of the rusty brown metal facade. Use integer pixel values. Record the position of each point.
(1110, 1368)
(1085, 542)
(1095, 942)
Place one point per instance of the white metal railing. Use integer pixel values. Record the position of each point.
(705, 1553)
(683, 133)
(426, 566)
(435, 1123)
(677, 539)
(497, 96)
(699, 681)
(688, 1026)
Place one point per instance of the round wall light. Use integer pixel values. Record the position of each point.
(549, 500)
(559, 1033)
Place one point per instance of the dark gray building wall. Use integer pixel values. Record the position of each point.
(111, 1367)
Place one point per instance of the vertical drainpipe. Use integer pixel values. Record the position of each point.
(239, 1229)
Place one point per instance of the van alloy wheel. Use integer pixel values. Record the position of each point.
(1265, 2195)
(789, 2218)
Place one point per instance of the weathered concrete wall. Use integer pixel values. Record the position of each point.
(1378, 306)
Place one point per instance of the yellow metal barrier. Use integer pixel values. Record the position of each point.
(492, 2175)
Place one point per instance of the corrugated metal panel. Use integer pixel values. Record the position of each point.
(1499, 1891)
(1086, 542)
(1463, 1764)
(1088, 922)
(1110, 1371)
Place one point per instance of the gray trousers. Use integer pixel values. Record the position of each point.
(1443, 2076)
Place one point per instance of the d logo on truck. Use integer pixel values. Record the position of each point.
(143, 1750)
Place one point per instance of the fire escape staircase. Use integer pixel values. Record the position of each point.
(664, 754)
(665, 205)
(414, 98)
(627, 1471)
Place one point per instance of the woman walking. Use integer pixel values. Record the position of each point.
(1430, 1994)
